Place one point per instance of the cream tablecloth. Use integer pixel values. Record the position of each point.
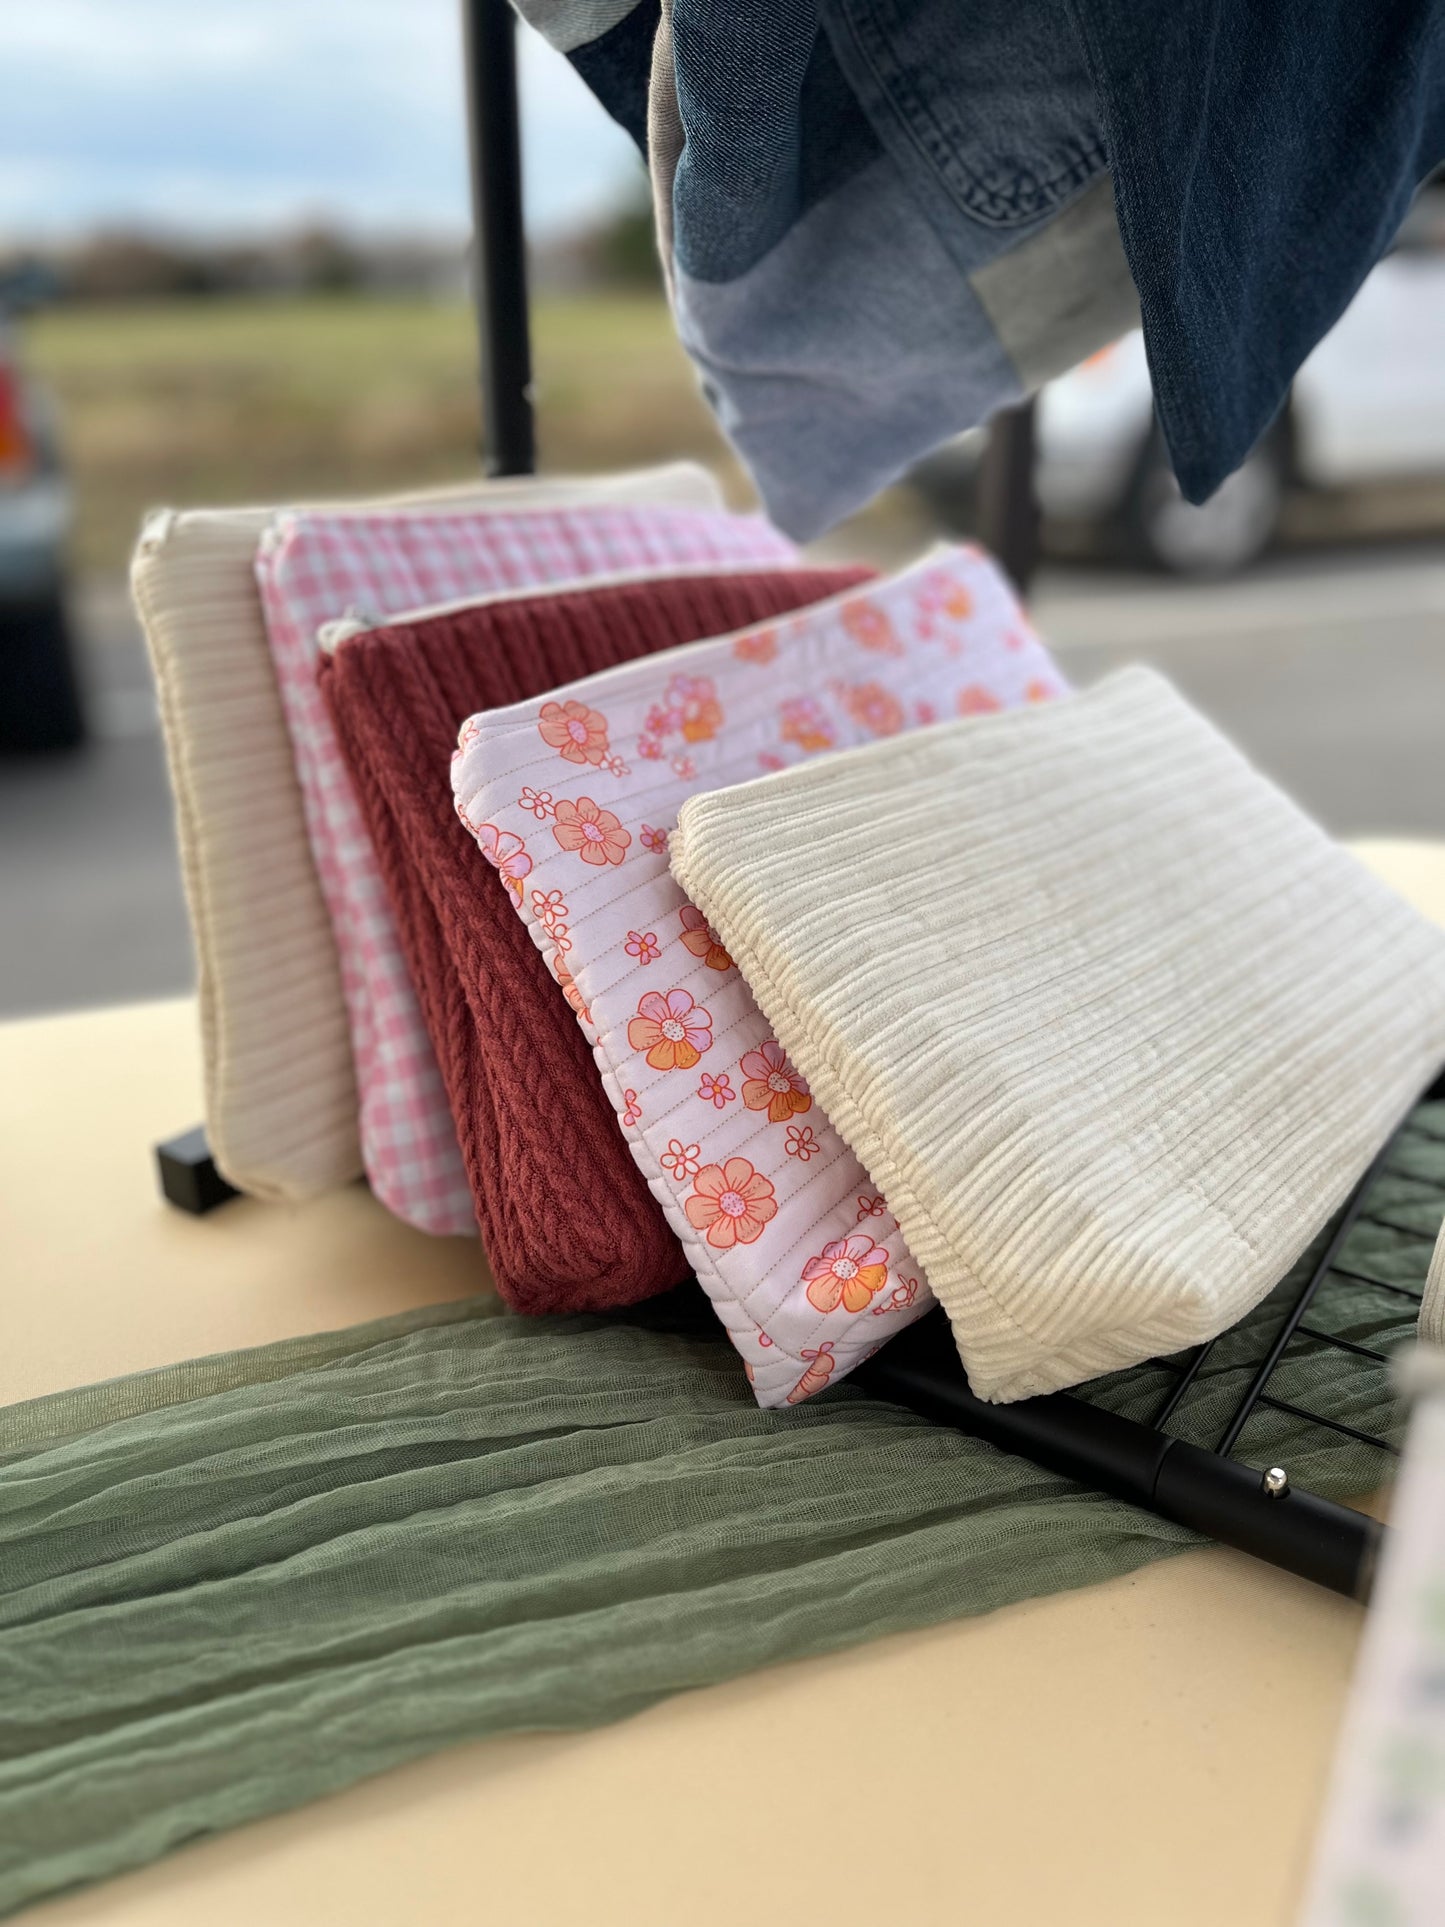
(1148, 1752)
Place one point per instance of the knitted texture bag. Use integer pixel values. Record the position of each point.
(566, 1216)
(1115, 1026)
(312, 569)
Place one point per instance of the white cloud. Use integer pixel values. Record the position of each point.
(259, 112)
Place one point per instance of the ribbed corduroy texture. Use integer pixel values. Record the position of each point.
(231, 1586)
(280, 1091)
(1112, 1025)
(565, 1214)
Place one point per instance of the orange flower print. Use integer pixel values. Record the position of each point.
(820, 1370)
(702, 940)
(899, 1299)
(848, 1273)
(731, 1203)
(874, 709)
(717, 1091)
(802, 1142)
(551, 912)
(577, 733)
(1038, 692)
(943, 599)
(562, 972)
(681, 1160)
(760, 647)
(643, 945)
(943, 596)
(539, 802)
(870, 628)
(631, 1109)
(672, 1029)
(975, 700)
(772, 1085)
(593, 832)
(507, 855)
(653, 840)
(699, 713)
(806, 724)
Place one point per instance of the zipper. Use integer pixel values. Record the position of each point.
(355, 622)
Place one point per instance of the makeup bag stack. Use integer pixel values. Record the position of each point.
(785, 987)
(602, 881)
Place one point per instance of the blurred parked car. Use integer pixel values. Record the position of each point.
(40, 706)
(1368, 405)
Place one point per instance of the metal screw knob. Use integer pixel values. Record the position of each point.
(1275, 1482)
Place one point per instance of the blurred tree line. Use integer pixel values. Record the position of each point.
(121, 265)
(124, 265)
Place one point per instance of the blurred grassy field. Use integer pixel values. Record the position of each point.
(206, 402)
(209, 402)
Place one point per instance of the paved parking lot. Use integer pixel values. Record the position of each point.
(1329, 669)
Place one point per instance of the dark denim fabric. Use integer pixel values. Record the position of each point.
(617, 66)
(772, 127)
(995, 96)
(1264, 154)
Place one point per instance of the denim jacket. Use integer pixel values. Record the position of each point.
(882, 220)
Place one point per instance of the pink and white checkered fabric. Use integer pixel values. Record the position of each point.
(314, 568)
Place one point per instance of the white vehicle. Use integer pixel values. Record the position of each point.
(1368, 405)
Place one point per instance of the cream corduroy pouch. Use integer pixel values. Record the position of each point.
(1112, 1025)
(280, 1090)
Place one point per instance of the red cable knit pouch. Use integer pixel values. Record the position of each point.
(566, 1216)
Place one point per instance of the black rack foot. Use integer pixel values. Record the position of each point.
(188, 1174)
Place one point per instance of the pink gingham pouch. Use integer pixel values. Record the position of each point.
(578, 793)
(314, 568)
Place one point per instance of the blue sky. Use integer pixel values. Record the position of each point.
(237, 115)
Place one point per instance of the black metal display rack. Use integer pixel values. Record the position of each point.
(1206, 1488)
(1203, 1487)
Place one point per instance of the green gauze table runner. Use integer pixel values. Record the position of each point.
(230, 1586)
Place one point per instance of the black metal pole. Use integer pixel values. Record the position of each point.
(1316, 1538)
(1008, 514)
(188, 1174)
(499, 259)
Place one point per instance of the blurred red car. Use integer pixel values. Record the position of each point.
(40, 706)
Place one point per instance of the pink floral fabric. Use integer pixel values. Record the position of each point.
(314, 568)
(801, 1259)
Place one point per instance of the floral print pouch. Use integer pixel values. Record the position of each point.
(571, 800)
